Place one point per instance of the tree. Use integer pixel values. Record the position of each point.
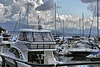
(1, 29)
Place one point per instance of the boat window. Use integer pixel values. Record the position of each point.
(29, 36)
(15, 52)
(47, 37)
(24, 36)
(38, 37)
(21, 36)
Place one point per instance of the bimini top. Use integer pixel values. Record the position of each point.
(34, 30)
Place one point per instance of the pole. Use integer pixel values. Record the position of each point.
(19, 18)
(83, 23)
(27, 13)
(91, 27)
(38, 22)
(63, 31)
(55, 21)
(80, 25)
(98, 19)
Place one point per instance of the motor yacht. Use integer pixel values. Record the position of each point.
(82, 47)
(94, 56)
(33, 45)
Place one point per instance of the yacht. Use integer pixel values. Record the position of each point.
(5, 41)
(94, 56)
(33, 45)
(82, 47)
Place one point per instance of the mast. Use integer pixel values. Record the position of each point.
(98, 19)
(91, 27)
(55, 21)
(83, 23)
(80, 26)
(27, 13)
(63, 31)
(19, 18)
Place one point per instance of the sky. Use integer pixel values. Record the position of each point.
(69, 11)
(73, 7)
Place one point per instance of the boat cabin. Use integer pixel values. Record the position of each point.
(37, 39)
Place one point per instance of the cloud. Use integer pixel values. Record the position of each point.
(9, 12)
(87, 1)
(92, 6)
(48, 5)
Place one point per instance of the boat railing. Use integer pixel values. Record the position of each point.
(40, 46)
(15, 60)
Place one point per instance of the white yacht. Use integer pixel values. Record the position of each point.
(82, 47)
(35, 46)
(93, 56)
(5, 40)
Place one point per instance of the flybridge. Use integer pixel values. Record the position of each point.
(37, 39)
(31, 35)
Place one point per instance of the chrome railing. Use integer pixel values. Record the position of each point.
(16, 61)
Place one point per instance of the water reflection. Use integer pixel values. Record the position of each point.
(65, 60)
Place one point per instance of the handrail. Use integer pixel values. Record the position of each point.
(43, 65)
(15, 59)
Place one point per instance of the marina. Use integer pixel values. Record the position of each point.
(40, 33)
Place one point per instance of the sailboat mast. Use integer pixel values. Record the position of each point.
(63, 30)
(80, 26)
(97, 18)
(91, 27)
(27, 13)
(83, 23)
(19, 18)
(55, 21)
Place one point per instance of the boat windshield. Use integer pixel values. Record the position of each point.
(36, 36)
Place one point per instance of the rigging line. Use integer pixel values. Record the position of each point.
(91, 28)
(92, 22)
(17, 22)
(59, 20)
(19, 19)
(15, 27)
